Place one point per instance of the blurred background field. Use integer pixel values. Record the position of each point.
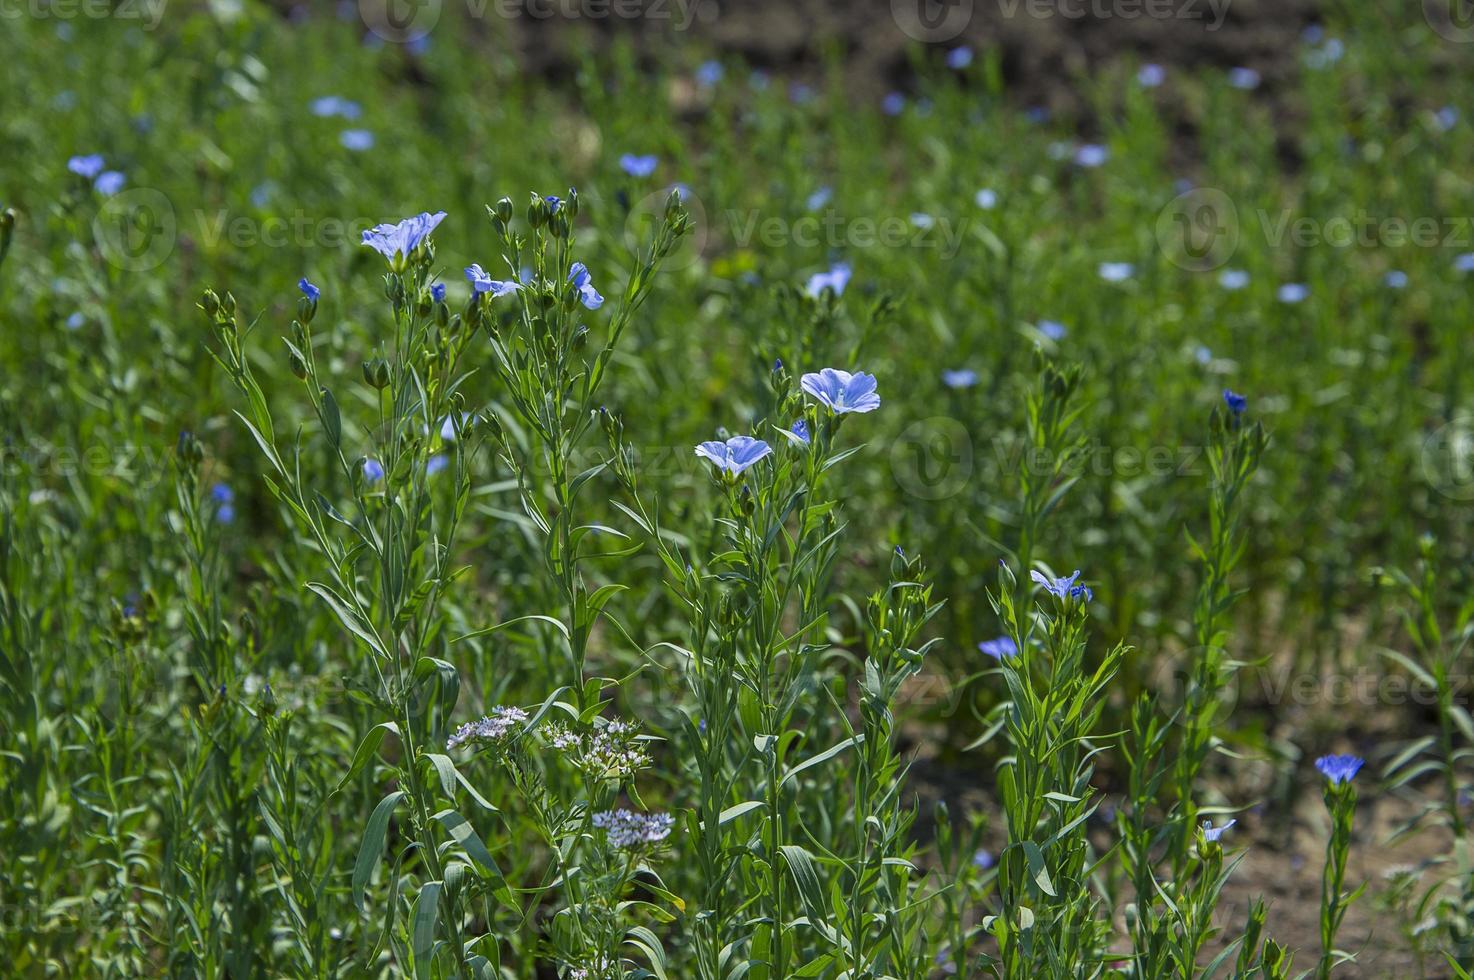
(1272, 198)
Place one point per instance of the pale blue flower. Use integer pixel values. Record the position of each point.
(837, 278)
(1052, 329)
(1151, 75)
(402, 238)
(819, 198)
(1243, 78)
(639, 165)
(893, 104)
(109, 182)
(578, 274)
(709, 73)
(358, 140)
(1116, 271)
(373, 470)
(1203, 355)
(481, 282)
(999, 649)
(1339, 769)
(1212, 833)
(1464, 263)
(734, 455)
(88, 166)
(960, 378)
(1292, 292)
(959, 58)
(224, 499)
(1092, 155)
(1395, 279)
(76, 321)
(1062, 587)
(1233, 279)
(983, 860)
(331, 105)
(841, 391)
(987, 199)
(922, 220)
(1446, 118)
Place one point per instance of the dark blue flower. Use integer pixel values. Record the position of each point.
(554, 202)
(224, 500)
(402, 238)
(799, 433)
(437, 292)
(1339, 769)
(999, 648)
(639, 165)
(841, 391)
(483, 283)
(893, 104)
(578, 274)
(1236, 403)
(734, 455)
(88, 166)
(308, 289)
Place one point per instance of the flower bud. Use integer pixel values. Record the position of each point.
(210, 303)
(570, 206)
(7, 221)
(376, 373)
(503, 210)
(580, 339)
(189, 450)
(298, 368)
(537, 211)
(228, 304)
(306, 308)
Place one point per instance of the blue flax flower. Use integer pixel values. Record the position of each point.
(734, 455)
(709, 73)
(1212, 833)
(1000, 648)
(1339, 768)
(308, 289)
(799, 433)
(962, 378)
(837, 278)
(841, 391)
(1062, 587)
(109, 182)
(88, 166)
(578, 274)
(639, 165)
(358, 140)
(373, 470)
(1236, 403)
(402, 238)
(959, 58)
(224, 499)
(437, 292)
(481, 282)
(1053, 329)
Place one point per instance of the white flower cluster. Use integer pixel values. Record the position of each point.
(493, 728)
(599, 968)
(611, 751)
(628, 829)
